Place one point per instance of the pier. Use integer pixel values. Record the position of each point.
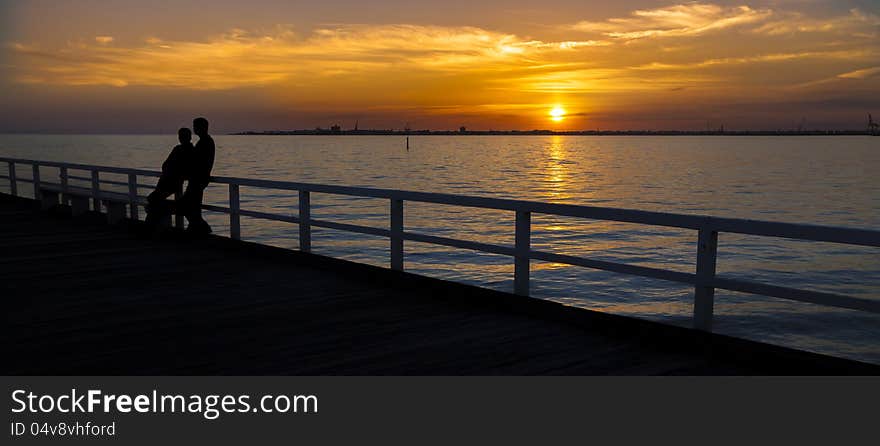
(84, 295)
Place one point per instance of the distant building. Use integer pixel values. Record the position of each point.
(462, 129)
(335, 128)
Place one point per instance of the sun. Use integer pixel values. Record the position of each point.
(557, 113)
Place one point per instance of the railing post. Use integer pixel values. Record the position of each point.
(133, 196)
(178, 216)
(521, 253)
(36, 178)
(305, 229)
(13, 181)
(62, 173)
(234, 215)
(704, 293)
(397, 234)
(96, 191)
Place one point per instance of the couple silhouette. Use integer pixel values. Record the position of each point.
(190, 163)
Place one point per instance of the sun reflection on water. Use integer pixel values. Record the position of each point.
(556, 170)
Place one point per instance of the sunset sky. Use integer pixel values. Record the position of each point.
(126, 66)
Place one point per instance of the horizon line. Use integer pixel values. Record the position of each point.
(412, 132)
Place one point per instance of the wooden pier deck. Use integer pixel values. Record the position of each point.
(84, 297)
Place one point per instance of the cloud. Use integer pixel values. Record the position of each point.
(690, 19)
(695, 19)
(864, 76)
(762, 58)
(860, 74)
(240, 58)
(679, 52)
(856, 23)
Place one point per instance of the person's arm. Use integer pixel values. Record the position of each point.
(170, 163)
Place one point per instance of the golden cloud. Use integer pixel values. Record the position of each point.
(855, 24)
(689, 19)
(242, 59)
(443, 68)
(860, 74)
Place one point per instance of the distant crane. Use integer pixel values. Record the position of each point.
(873, 127)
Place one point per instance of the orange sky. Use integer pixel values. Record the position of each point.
(110, 66)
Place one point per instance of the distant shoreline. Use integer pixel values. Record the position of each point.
(327, 132)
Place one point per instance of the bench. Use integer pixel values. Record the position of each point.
(79, 198)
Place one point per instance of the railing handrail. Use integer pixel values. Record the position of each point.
(704, 280)
(799, 231)
(77, 166)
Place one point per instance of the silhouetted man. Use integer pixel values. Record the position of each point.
(175, 170)
(200, 176)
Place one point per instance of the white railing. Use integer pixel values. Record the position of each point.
(704, 279)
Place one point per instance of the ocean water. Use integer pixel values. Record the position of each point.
(819, 180)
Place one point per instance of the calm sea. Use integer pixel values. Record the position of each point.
(821, 180)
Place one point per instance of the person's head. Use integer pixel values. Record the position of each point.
(200, 126)
(184, 135)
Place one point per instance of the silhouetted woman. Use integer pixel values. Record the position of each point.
(176, 168)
